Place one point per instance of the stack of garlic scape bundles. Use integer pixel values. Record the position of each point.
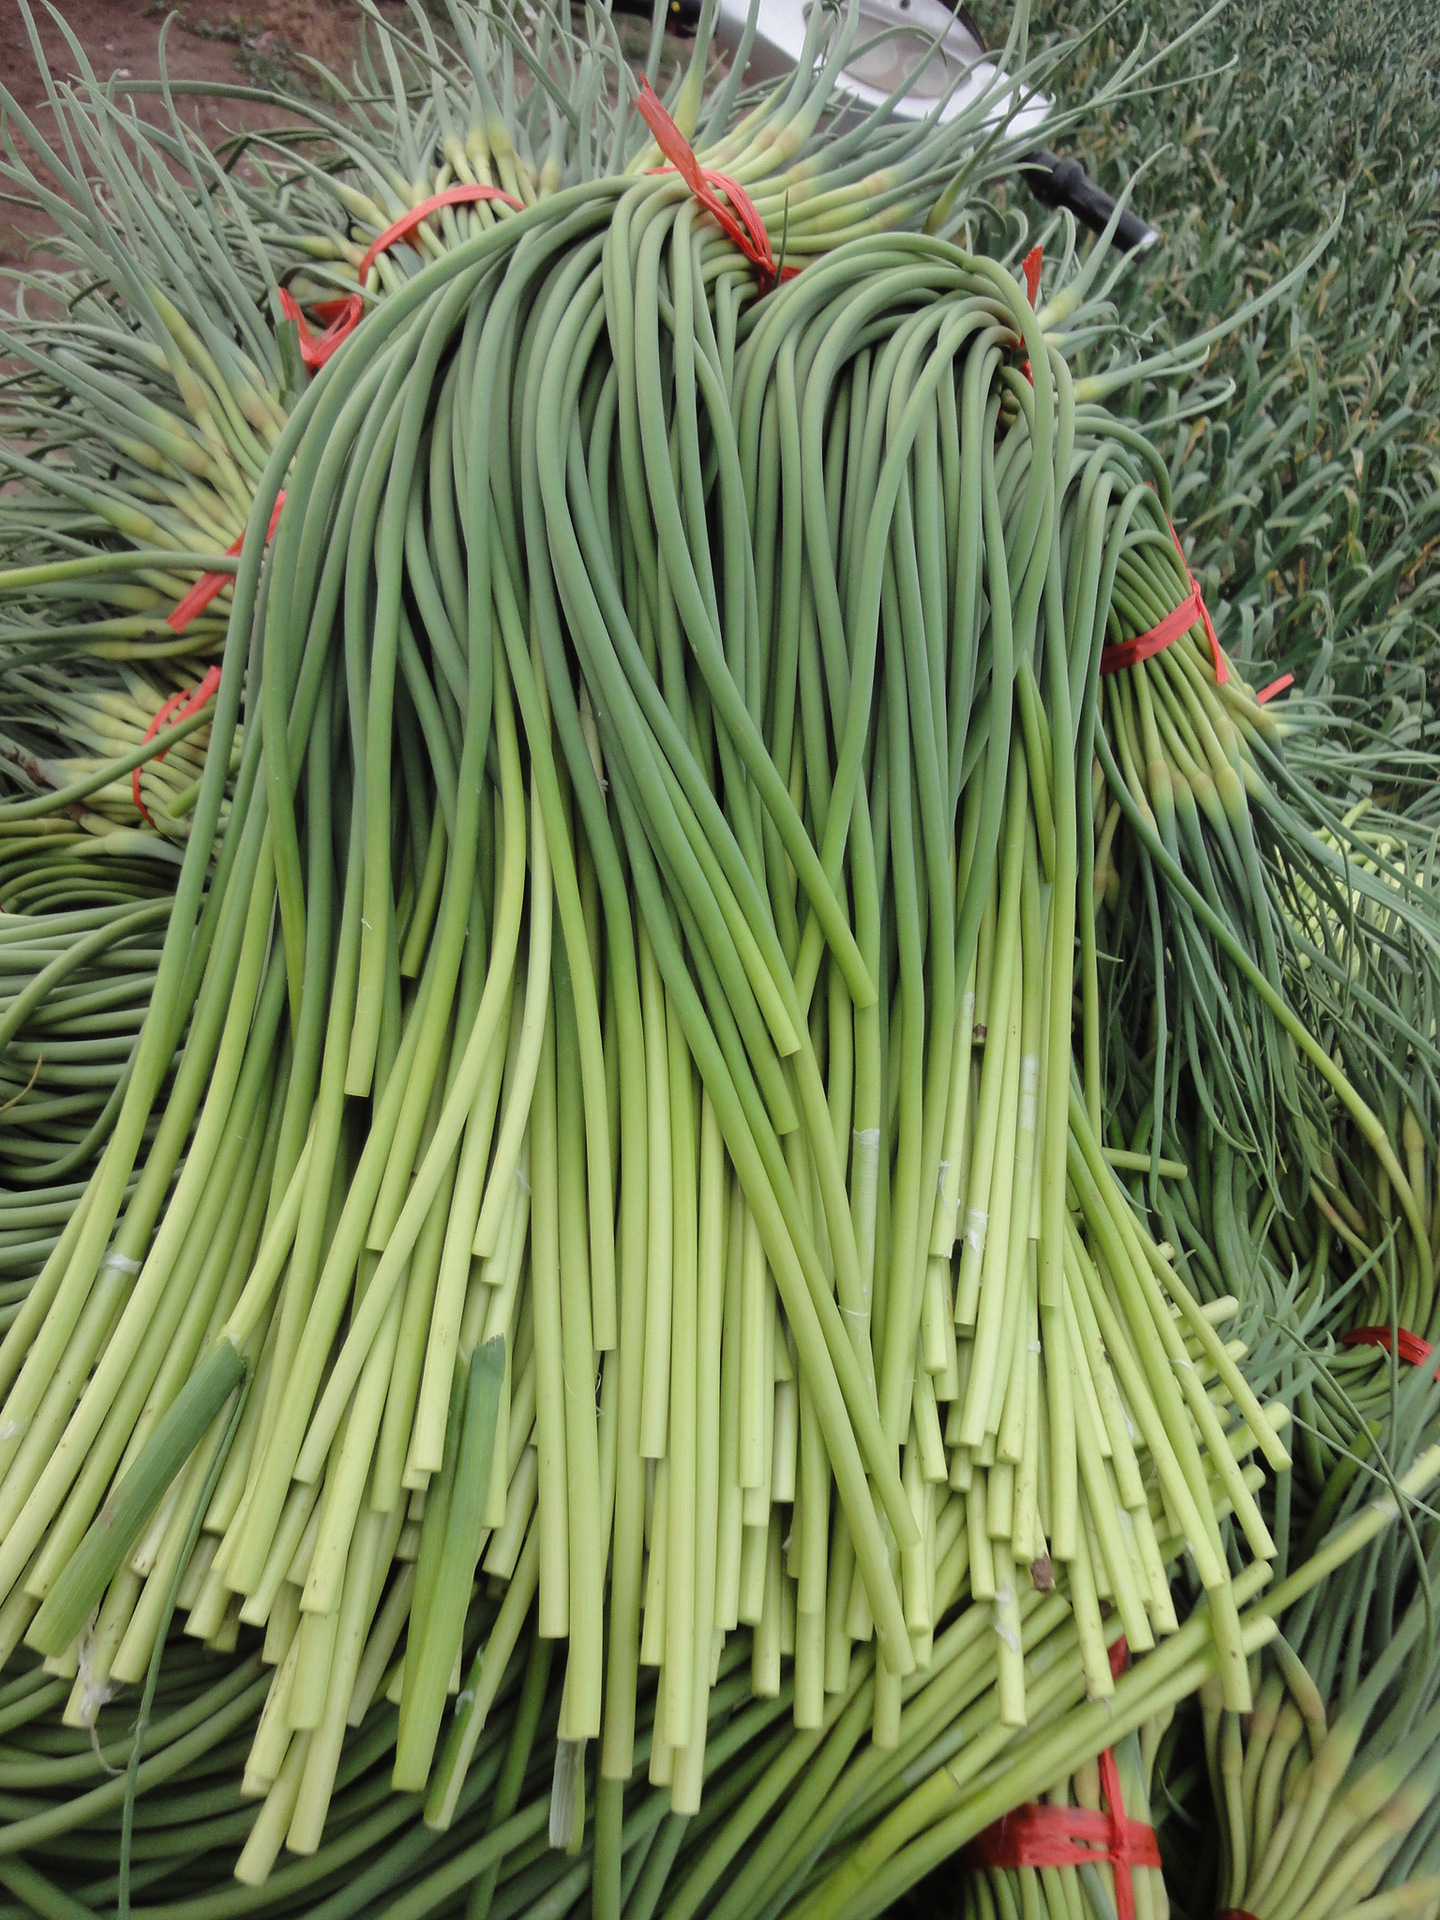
(583, 1335)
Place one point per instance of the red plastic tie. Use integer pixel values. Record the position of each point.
(1234, 1913)
(188, 703)
(209, 584)
(1191, 612)
(748, 231)
(1410, 1346)
(1269, 693)
(1031, 270)
(1051, 1836)
(345, 315)
(1033, 261)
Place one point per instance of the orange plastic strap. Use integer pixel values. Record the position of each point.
(1409, 1345)
(209, 584)
(1190, 612)
(1269, 693)
(187, 703)
(345, 315)
(1050, 1836)
(748, 231)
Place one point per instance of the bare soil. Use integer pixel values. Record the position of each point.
(246, 43)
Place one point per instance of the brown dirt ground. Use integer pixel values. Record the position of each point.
(256, 43)
(246, 43)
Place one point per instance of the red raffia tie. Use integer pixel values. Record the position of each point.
(748, 231)
(188, 703)
(345, 315)
(1410, 1346)
(1050, 1836)
(209, 584)
(1190, 612)
(1269, 693)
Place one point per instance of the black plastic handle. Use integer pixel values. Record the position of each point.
(1065, 183)
(682, 15)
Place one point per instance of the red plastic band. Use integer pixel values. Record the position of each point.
(1031, 270)
(1275, 686)
(209, 584)
(188, 703)
(345, 315)
(1050, 1836)
(1410, 1346)
(1234, 1913)
(748, 232)
(1190, 612)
